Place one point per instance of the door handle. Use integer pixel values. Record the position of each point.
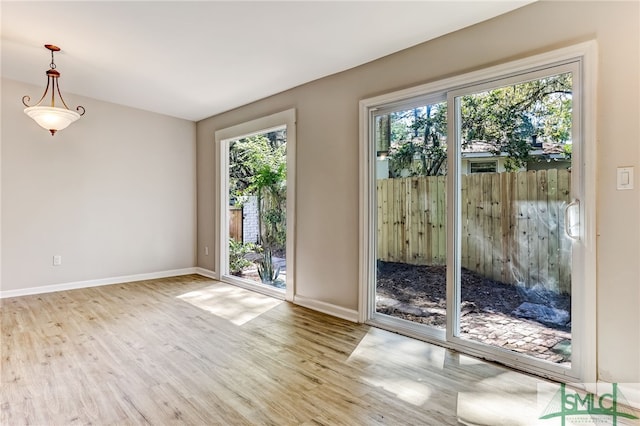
(572, 220)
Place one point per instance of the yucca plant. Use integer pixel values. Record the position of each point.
(266, 270)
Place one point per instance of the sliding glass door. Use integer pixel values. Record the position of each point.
(475, 193)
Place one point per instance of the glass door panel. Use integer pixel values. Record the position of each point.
(257, 194)
(411, 173)
(515, 258)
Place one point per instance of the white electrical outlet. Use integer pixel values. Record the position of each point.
(57, 260)
(206, 250)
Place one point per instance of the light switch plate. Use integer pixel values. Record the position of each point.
(625, 178)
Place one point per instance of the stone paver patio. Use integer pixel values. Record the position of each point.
(493, 328)
(519, 335)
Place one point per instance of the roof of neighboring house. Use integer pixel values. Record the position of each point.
(477, 146)
(482, 149)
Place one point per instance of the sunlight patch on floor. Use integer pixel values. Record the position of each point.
(385, 352)
(379, 347)
(492, 395)
(503, 397)
(497, 408)
(234, 304)
(407, 390)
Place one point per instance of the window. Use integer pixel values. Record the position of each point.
(483, 166)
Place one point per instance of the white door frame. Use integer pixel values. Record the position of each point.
(285, 119)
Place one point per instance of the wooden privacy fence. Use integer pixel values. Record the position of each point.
(512, 225)
(235, 223)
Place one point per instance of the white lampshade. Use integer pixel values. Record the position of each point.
(52, 118)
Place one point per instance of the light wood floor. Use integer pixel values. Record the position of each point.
(190, 350)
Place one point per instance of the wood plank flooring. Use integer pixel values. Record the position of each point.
(189, 350)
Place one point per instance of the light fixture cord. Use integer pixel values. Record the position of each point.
(52, 65)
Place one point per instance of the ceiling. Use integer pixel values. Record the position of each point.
(196, 59)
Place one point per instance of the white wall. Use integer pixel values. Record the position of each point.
(113, 194)
(327, 134)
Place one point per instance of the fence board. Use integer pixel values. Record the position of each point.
(433, 220)
(413, 221)
(542, 222)
(512, 225)
(403, 220)
(423, 221)
(564, 190)
(521, 230)
(553, 242)
(496, 216)
(532, 226)
(392, 220)
(474, 231)
(464, 222)
(388, 210)
(235, 223)
(486, 238)
(442, 220)
(507, 191)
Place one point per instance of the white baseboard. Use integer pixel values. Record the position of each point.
(98, 282)
(327, 308)
(207, 273)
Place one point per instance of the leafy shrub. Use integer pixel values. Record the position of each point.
(237, 253)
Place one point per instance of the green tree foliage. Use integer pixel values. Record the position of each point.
(419, 134)
(506, 118)
(248, 155)
(257, 166)
(269, 184)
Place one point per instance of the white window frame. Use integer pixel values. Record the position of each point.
(584, 310)
(285, 119)
(471, 163)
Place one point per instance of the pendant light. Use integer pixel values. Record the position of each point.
(52, 117)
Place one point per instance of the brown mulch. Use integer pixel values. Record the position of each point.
(425, 286)
(418, 293)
